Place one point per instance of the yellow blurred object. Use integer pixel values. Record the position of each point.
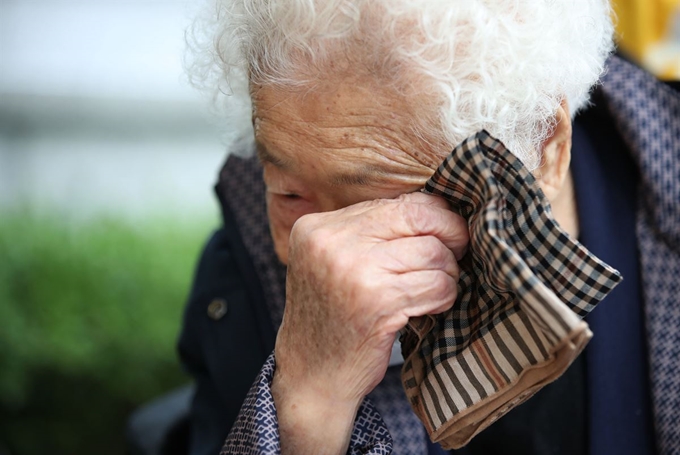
(649, 30)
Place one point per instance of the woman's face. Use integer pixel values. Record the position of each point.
(347, 142)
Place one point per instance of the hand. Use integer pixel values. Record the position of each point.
(355, 277)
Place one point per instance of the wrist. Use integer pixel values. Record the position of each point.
(312, 420)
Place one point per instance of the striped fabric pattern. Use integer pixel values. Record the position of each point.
(525, 287)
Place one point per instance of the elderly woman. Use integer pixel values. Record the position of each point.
(354, 104)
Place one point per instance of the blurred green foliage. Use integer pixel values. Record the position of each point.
(89, 316)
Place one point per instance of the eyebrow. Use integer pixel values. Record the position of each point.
(265, 156)
(364, 176)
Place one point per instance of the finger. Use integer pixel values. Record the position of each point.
(419, 197)
(409, 254)
(411, 198)
(407, 219)
(427, 292)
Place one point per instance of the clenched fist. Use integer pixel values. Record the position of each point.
(355, 277)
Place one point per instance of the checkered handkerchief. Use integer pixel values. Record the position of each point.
(524, 287)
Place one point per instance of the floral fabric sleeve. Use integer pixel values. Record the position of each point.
(256, 431)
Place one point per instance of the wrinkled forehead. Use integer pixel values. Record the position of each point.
(352, 117)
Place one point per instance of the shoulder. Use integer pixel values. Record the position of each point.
(638, 100)
(220, 318)
(225, 320)
(224, 338)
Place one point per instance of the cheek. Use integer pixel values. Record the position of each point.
(283, 212)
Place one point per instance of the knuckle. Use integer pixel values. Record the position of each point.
(444, 287)
(404, 197)
(376, 203)
(435, 254)
(302, 226)
(435, 250)
(365, 283)
(310, 239)
(455, 272)
(340, 267)
(440, 282)
(320, 244)
(414, 216)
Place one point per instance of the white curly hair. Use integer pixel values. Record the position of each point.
(500, 65)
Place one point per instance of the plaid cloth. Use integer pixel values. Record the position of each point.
(524, 287)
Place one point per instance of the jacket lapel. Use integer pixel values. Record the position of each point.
(647, 114)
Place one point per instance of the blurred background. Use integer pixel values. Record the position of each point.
(106, 169)
(107, 161)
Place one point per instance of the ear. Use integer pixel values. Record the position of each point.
(556, 155)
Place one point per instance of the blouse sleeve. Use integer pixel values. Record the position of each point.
(256, 430)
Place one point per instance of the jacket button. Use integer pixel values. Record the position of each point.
(217, 309)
